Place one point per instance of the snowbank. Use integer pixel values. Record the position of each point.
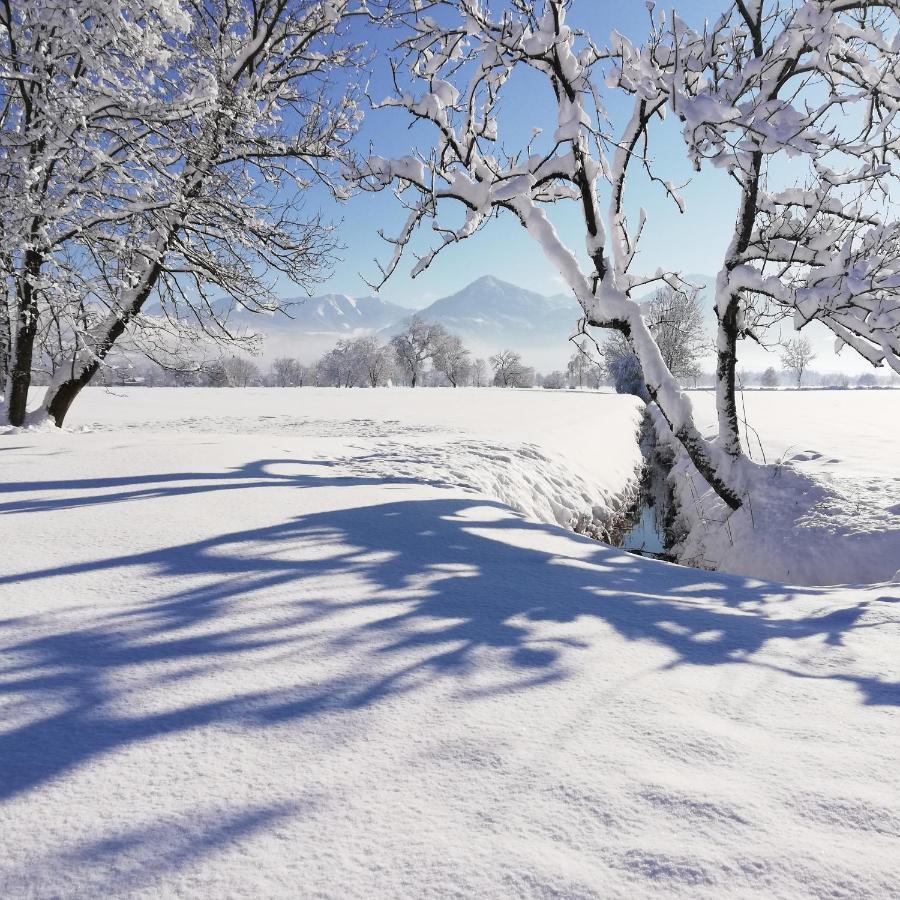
(563, 458)
(826, 509)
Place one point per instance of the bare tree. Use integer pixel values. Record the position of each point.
(415, 345)
(509, 370)
(797, 356)
(376, 360)
(452, 359)
(287, 372)
(240, 371)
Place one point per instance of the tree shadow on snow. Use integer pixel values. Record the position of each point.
(448, 583)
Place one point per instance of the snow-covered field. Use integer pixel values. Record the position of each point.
(297, 643)
(832, 515)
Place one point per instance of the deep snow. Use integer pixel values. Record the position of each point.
(827, 508)
(283, 662)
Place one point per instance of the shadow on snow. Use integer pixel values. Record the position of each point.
(444, 579)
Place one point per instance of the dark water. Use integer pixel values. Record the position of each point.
(645, 536)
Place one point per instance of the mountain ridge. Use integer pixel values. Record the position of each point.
(489, 314)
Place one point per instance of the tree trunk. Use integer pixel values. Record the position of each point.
(726, 365)
(695, 447)
(19, 379)
(61, 394)
(64, 395)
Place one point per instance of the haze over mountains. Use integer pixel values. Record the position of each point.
(489, 315)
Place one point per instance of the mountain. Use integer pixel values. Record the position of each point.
(491, 315)
(340, 314)
(311, 326)
(488, 314)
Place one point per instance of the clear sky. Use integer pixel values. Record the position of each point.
(693, 242)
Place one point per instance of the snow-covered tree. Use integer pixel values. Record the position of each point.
(74, 155)
(240, 371)
(376, 361)
(769, 378)
(452, 359)
(415, 345)
(798, 102)
(479, 373)
(797, 355)
(764, 81)
(287, 372)
(554, 381)
(675, 318)
(342, 366)
(453, 76)
(583, 369)
(509, 371)
(204, 172)
(622, 366)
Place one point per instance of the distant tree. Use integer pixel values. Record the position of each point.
(676, 322)
(479, 376)
(769, 378)
(415, 345)
(797, 356)
(554, 381)
(376, 361)
(866, 380)
(509, 371)
(240, 371)
(341, 366)
(287, 372)
(213, 375)
(452, 359)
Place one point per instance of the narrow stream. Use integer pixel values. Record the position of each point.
(647, 534)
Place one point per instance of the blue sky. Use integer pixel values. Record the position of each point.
(693, 242)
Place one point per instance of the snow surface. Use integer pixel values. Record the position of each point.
(829, 513)
(240, 657)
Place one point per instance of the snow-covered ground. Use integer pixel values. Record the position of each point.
(317, 654)
(549, 455)
(830, 512)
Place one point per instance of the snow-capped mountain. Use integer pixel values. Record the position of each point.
(338, 313)
(492, 309)
(488, 314)
(311, 326)
(491, 315)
